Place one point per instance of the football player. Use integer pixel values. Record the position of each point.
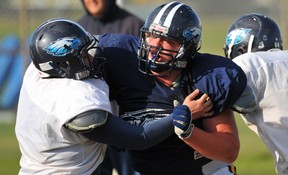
(254, 42)
(64, 114)
(171, 67)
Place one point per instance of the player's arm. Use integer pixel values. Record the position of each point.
(101, 126)
(118, 132)
(87, 121)
(218, 140)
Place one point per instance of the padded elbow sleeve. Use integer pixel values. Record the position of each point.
(87, 121)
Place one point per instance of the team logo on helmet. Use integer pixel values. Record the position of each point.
(57, 48)
(190, 34)
(237, 36)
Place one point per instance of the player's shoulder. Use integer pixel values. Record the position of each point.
(212, 58)
(124, 41)
(212, 61)
(252, 60)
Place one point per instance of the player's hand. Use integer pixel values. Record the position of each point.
(182, 121)
(201, 107)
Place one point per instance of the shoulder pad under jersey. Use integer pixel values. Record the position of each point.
(87, 121)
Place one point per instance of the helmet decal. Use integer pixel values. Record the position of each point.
(189, 34)
(168, 17)
(59, 47)
(237, 36)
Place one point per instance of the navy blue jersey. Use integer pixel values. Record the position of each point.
(142, 98)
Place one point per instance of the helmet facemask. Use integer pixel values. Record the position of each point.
(148, 63)
(93, 66)
(79, 66)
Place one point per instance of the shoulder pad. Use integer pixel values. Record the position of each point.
(247, 102)
(87, 121)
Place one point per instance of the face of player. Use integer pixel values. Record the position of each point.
(95, 7)
(171, 48)
(163, 49)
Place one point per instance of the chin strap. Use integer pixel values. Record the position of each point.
(59, 71)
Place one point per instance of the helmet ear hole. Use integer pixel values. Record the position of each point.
(241, 50)
(64, 64)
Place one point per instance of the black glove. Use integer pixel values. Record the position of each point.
(182, 121)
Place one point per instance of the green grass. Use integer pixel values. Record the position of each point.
(9, 150)
(254, 158)
(214, 35)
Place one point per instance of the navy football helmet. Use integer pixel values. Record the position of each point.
(250, 33)
(59, 47)
(172, 21)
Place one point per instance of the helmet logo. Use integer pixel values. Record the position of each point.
(237, 36)
(57, 48)
(189, 34)
(161, 30)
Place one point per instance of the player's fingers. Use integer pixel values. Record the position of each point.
(204, 97)
(207, 102)
(194, 94)
(207, 107)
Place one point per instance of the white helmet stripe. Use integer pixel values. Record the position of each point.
(250, 43)
(159, 15)
(233, 37)
(170, 16)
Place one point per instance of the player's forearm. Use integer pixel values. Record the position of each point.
(120, 133)
(217, 146)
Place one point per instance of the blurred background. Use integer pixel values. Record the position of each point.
(19, 18)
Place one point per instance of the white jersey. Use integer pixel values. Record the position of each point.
(45, 105)
(267, 74)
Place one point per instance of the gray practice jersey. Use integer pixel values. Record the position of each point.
(267, 74)
(47, 147)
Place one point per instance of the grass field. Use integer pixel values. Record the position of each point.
(254, 158)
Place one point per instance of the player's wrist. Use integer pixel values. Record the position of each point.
(182, 121)
(187, 133)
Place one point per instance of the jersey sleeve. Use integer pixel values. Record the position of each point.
(120, 133)
(222, 79)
